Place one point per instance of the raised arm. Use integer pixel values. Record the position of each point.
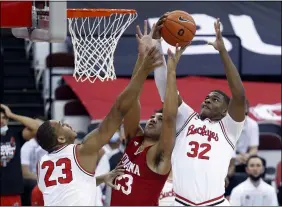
(132, 118)
(96, 139)
(236, 108)
(160, 154)
(160, 75)
(32, 124)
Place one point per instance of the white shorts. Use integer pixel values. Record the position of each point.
(225, 202)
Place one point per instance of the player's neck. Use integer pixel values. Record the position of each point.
(148, 141)
(212, 119)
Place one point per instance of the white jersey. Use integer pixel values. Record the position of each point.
(201, 157)
(167, 195)
(63, 181)
(247, 194)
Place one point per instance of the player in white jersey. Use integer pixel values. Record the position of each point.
(67, 170)
(205, 141)
(66, 173)
(167, 196)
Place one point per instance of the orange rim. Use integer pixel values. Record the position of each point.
(82, 13)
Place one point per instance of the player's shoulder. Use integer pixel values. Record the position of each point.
(251, 121)
(64, 149)
(185, 109)
(231, 125)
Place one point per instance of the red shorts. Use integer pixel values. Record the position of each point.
(12, 200)
(37, 197)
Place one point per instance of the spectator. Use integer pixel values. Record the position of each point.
(10, 169)
(246, 146)
(31, 153)
(114, 159)
(254, 191)
(248, 142)
(278, 181)
(31, 126)
(113, 146)
(27, 134)
(119, 145)
(233, 179)
(103, 167)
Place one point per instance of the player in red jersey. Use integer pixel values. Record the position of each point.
(148, 153)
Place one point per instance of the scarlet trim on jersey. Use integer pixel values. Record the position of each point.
(58, 149)
(78, 164)
(211, 202)
(225, 135)
(185, 124)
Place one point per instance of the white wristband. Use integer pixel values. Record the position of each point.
(159, 46)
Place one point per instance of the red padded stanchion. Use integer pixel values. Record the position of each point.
(15, 14)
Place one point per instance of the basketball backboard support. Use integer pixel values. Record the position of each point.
(94, 32)
(28, 21)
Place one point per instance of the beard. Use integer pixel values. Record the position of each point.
(255, 178)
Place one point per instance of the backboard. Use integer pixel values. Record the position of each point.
(94, 32)
(38, 21)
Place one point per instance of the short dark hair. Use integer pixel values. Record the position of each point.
(46, 136)
(256, 156)
(225, 96)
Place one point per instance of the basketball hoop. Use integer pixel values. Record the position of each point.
(95, 34)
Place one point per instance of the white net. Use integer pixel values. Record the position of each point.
(94, 40)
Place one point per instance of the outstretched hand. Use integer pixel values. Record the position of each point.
(218, 44)
(110, 177)
(152, 59)
(173, 59)
(144, 39)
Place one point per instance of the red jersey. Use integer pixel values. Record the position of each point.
(139, 186)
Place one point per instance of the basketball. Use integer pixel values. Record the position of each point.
(179, 27)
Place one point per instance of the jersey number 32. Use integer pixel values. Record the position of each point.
(66, 177)
(199, 150)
